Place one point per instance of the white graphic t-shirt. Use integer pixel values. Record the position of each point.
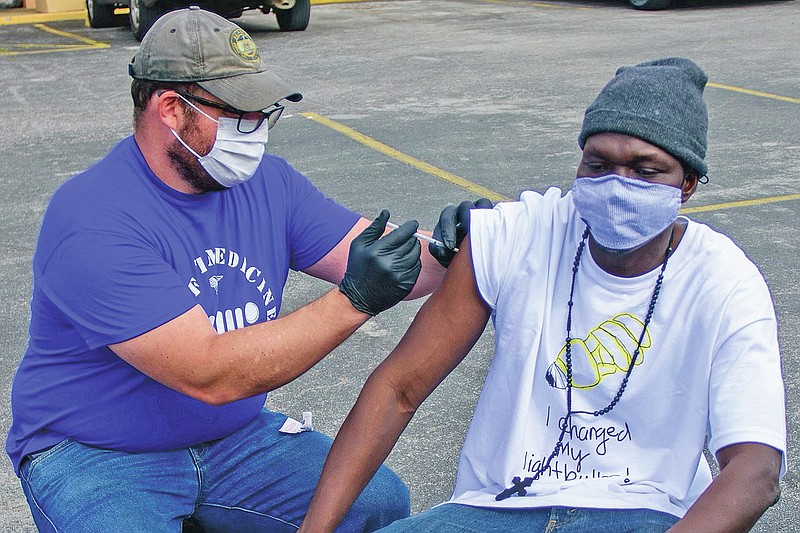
(709, 362)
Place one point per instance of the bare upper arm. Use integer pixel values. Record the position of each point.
(171, 353)
(332, 266)
(445, 329)
(763, 457)
(758, 465)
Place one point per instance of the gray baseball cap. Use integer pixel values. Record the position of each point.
(193, 45)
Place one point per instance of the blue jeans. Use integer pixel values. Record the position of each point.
(254, 480)
(455, 518)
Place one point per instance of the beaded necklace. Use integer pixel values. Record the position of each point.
(518, 484)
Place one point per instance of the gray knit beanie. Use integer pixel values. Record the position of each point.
(660, 102)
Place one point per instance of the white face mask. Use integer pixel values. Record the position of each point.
(235, 156)
(624, 213)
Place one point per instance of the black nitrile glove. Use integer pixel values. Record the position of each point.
(381, 271)
(453, 225)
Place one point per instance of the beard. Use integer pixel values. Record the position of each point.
(187, 165)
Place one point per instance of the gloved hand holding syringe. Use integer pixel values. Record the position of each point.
(450, 230)
(421, 236)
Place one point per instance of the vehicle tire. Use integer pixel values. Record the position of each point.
(142, 17)
(296, 18)
(651, 5)
(100, 15)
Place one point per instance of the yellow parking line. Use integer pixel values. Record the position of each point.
(488, 193)
(407, 159)
(61, 33)
(754, 93)
(67, 48)
(49, 46)
(742, 203)
(35, 48)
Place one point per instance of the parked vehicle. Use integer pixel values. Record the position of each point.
(292, 15)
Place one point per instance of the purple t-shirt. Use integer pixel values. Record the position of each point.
(121, 253)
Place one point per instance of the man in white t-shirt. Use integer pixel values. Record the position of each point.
(626, 338)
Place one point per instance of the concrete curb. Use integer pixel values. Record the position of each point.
(31, 16)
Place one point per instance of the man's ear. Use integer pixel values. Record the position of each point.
(168, 108)
(689, 185)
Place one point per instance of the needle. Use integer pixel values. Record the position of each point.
(421, 236)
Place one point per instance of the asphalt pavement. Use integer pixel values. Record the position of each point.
(411, 105)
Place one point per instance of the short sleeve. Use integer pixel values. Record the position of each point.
(501, 237)
(317, 223)
(111, 287)
(489, 254)
(746, 397)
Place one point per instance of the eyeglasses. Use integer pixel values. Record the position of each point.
(249, 121)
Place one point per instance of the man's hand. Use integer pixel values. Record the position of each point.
(453, 225)
(381, 271)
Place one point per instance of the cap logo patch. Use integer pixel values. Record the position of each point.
(243, 46)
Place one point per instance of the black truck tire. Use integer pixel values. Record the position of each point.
(142, 17)
(100, 15)
(296, 18)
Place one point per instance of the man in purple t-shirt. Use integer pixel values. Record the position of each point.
(158, 279)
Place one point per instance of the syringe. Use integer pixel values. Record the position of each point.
(421, 236)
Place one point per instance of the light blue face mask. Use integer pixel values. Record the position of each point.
(624, 213)
(235, 156)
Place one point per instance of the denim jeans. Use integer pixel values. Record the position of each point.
(254, 480)
(455, 518)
